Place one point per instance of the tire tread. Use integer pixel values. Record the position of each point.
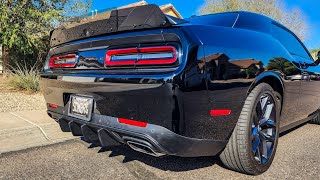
(235, 155)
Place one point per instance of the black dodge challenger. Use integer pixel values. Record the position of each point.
(222, 84)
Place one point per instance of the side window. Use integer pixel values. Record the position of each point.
(289, 41)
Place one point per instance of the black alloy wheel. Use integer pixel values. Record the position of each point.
(252, 145)
(264, 129)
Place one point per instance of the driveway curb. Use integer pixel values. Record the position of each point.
(27, 129)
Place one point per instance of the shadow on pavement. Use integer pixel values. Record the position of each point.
(165, 163)
(293, 129)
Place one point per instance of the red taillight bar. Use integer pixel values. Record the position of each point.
(139, 51)
(52, 63)
(54, 106)
(132, 122)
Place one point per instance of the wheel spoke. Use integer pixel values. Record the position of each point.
(256, 143)
(263, 121)
(258, 156)
(268, 111)
(263, 102)
(270, 131)
(255, 119)
(266, 123)
(271, 123)
(259, 112)
(263, 129)
(264, 160)
(266, 137)
(264, 148)
(256, 140)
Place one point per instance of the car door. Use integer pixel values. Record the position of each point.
(291, 68)
(310, 86)
(309, 89)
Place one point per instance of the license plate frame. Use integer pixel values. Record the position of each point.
(80, 107)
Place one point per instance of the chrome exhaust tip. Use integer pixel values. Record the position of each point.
(145, 148)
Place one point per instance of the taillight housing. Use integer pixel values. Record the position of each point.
(159, 55)
(64, 61)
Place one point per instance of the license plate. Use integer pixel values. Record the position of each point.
(81, 107)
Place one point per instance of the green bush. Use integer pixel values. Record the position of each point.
(23, 78)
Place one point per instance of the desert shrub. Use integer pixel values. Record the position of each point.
(25, 78)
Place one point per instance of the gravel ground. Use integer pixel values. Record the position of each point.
(297, 157)
(12, 100)
(17, 101)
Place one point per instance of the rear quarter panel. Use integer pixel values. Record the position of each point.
(236, 60)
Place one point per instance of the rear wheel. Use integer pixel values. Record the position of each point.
(253, 143)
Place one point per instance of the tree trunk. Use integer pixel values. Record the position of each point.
(5, 51)
(5, 60)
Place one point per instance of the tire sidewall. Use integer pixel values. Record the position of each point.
(262, 89)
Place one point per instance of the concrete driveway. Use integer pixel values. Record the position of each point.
(298, 157)
(25, 129)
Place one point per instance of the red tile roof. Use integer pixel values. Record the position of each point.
(245, 63)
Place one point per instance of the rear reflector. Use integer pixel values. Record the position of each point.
(132, 122)
(160, 55)
(53, 106)
(220, 112)
(63, 61)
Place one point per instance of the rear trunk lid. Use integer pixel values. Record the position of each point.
(134, 38)
(129, 19)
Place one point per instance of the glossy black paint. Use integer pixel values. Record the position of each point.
(161, 140)
(119, 20)
(218, 66)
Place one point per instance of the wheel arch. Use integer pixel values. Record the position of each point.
(274, 80)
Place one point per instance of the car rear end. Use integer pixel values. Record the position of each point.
(123, 87)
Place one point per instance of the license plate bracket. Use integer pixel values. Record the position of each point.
(80, 107)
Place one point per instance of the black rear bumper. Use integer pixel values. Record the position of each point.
(152, 139)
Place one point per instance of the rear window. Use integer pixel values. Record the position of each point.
(223, 19)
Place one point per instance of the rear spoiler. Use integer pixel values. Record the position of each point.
(134, 18)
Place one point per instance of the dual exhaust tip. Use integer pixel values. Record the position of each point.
(108, 138)
(144, 147)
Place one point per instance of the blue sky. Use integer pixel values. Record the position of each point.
(187, 8)
(311, 8)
